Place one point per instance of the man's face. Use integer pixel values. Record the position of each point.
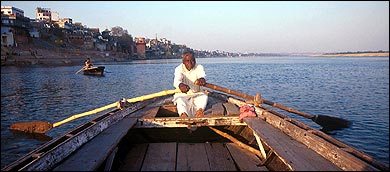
(189, 61)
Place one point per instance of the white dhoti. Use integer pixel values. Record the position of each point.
(190, 102)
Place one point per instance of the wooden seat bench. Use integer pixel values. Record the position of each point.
(294, 154)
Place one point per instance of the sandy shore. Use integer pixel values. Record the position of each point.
(70, 57)
(353, 55)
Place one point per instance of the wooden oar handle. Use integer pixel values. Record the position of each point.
(229, 91)
(246, 96)
(85, 114)
(288, 109)
(141, 98)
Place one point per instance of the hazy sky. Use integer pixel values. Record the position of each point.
(233, 26)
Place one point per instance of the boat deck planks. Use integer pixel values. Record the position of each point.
(219, 157)
(217, 110)
(231, 109)
(98, 148)
(295, 154)
(190, 157)
(136, 157)
(160, 157)
(245, 160)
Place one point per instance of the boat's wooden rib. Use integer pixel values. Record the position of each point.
(150, 136)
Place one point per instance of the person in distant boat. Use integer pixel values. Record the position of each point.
(88, 63)
(189, 77)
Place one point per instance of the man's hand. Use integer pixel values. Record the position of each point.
(200, 82)
(184, 88)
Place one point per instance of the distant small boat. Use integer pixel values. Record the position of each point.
(98, 71)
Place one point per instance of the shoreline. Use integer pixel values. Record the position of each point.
(57, 57)
(352, 55)
(22, 57)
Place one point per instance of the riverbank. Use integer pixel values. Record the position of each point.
(40, 53)
(13, 56)
(352, 55)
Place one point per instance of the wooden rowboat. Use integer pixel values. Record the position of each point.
(149, 136)
(97, 71)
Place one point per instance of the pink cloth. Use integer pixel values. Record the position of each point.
(247, 111)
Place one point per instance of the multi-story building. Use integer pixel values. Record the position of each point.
(55, 17)
(7, 10)
(65, 23)
(141, 46)
(43, 14)
(13, 26)
(12, 16)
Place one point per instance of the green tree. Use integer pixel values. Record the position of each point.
(118, 31)
(125, 42)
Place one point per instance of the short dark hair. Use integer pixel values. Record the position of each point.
(188, 52)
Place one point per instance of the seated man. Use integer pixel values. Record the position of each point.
(189, 77)
(88, 63)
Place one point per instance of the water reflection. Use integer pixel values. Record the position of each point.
(28, 136)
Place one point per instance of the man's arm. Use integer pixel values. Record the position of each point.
(200, 81)
(201, 74)
(177, 77)
(177, 81)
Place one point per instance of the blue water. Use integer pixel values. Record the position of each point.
(353, 88)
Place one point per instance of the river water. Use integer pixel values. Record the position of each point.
(353, 88)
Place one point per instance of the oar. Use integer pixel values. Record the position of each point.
(43, 127)
(327, 122)
(80, 70)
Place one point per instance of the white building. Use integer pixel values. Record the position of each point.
(55, 16)
(43, 14)
(11, 10)
(12, 18)
(7, 37)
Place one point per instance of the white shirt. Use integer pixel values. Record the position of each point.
(183, 75)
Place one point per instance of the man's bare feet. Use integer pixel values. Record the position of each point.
(199, 113)
(183, 115)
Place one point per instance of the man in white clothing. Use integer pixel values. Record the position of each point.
(189, 77)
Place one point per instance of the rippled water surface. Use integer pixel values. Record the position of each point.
(353, 88)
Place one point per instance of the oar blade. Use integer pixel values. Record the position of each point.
(331, 123)
(32, 127)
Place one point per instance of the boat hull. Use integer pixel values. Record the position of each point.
(150, 136)
(96, 71)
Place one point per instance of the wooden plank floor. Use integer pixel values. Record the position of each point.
(190, 157)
